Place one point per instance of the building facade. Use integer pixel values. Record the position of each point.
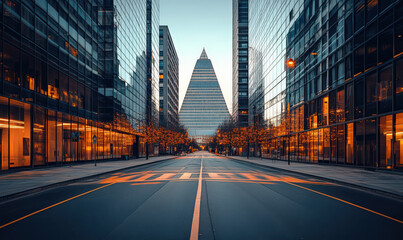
(153, 24)
(168, 81)
(73, 80)
(204, 107)
(338, 100)
(240, 105)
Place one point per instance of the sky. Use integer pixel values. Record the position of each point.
(195, 24)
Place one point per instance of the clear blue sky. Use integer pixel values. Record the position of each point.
(195, 24)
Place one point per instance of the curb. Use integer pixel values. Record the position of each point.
(63, 183)
(352, 185)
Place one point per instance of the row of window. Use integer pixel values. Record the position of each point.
(374, 142)
(31, 135)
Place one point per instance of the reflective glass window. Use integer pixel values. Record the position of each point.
(371, 94)
(385, 43)
(370, 142)
(359, 143)
(385, 141)
(399, 140)
(385, 90)
(399, 84)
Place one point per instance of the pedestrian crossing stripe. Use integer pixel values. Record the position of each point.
(247, 177)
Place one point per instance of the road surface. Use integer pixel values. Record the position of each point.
(202, 196)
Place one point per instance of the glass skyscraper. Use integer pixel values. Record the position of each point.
(169, 80)
(153, 29)
(204, 107)
(73, 80)
(240, 105)
(340, 100)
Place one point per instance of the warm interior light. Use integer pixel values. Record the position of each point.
(290, 63)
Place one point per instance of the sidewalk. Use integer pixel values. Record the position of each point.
(24, 182)
(381, 182)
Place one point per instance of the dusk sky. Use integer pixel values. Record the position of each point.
(195, 24)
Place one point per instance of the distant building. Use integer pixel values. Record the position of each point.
(203, 108)
(240, 105)
(168, 80)
(326, 77)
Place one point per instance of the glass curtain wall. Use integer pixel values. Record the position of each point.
(343, 96)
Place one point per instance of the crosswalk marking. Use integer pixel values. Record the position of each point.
(216, 176)
(185, 176)
(143, 178)
(165, 176)
(250, 176)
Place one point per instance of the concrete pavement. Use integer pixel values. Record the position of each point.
(382, 182)
(15, 184)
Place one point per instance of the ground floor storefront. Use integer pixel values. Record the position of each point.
(373, 142)
(35, 136)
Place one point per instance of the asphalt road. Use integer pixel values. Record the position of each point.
(229, 200)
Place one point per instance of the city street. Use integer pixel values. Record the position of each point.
(201, 195)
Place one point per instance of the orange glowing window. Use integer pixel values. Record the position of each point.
(161, 76)
(244, 112)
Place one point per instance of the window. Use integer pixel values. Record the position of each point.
(53, 83)
(41, 77)
(399, 140)
(371, 94)
(385, 90)
(28, 71)
(359, 15)
(39, 137)
(64, 88)
(358, 98)
(359, 143)
(371, 53)
(348, 27)
(20, 134)
(370, 143)
(349, 102)
(399, 85)
(340, 144)
(385, 141)
(399, 37)
(385, 43)
(350, 143)
(340, 106)
(359, 60)
(372, 9)
(11, 63)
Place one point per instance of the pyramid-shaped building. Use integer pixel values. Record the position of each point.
(203, 108)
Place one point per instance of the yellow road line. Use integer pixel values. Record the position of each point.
(347, 202)
(194, 233)
(54, 205)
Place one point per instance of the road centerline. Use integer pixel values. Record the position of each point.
(194, 233)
